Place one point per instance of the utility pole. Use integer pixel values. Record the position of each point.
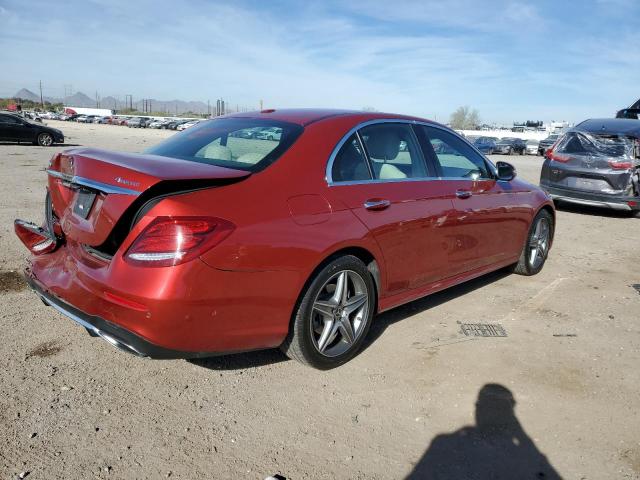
(208, 109)
(261, 105)
(97, 100)
(41, 100)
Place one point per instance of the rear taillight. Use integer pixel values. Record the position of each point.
(624, 165)
(557, 157)
(168, 241)
(36, 239)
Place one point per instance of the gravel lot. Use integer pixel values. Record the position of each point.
(71, 406)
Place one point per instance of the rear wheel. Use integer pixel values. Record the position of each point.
(535, 251)
(45, 139)
(333, 316)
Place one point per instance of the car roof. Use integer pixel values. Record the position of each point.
(306, 116)
(624, 126)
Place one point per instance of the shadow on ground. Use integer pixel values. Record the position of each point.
(496, 447)
(380, 323)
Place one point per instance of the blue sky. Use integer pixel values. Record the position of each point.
(511, 60)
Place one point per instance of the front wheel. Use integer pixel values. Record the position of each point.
(45, 140)
(535, 251)
(333, 315)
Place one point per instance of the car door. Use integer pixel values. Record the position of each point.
(12, 128)
(380, 174)
(488, 225)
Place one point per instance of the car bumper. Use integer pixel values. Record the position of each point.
(187, 311)
(116, 335)
(577, 197)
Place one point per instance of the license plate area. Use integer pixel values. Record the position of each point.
(84, 202)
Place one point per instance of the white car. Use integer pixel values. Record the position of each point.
(532, 147)
(184, 126)
(155, 123)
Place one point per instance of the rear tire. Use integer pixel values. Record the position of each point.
(333, 315)
(45, 140)
(536, 249)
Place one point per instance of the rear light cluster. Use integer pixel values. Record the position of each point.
(168, 241)
(557, 157)
(620, 165)
(36, 239)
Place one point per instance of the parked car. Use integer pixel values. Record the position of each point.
(16, 128)
(486, 145)
(210, 243)
(596, 163)
(532, 147)
(175, 124)
(270, 134)
(545, 144)
(509, 146)
(137, 122)
(156, 123)
(185, 125)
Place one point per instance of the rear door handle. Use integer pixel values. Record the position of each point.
(377, 204)
(463, 193)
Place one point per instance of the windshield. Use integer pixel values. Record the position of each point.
(240, 143)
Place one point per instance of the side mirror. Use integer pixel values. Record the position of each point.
(506, 171)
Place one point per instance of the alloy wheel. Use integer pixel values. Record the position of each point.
(45, 139)
(340, 312)
(539, 243)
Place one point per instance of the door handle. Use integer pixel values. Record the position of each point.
(377, 204)
(463, 193)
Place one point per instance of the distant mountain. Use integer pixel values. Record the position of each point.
(79, 99)
(25, 94)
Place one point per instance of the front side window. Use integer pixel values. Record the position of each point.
(239, 143)
(9, 120)
(393, 151)
(455, 158)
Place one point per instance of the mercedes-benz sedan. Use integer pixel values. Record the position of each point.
(218, 241)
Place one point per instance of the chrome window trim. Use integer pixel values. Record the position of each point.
(356, 129)
(86, 182)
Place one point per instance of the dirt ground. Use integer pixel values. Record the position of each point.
(422, 397)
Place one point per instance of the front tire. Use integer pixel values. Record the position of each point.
(333, 315)
(45, 140)
(535, 252)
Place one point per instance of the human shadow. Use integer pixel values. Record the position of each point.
(496, 448)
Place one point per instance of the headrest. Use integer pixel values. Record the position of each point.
(383, 143)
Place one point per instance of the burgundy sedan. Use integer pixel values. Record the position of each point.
(223, 239)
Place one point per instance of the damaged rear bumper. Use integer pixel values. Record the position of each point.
(614, 202)
(116, 335)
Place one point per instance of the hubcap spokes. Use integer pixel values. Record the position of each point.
(339, 313)
(539, 243)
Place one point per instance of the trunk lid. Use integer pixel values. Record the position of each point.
(92, 189)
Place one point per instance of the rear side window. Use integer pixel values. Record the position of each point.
(239, 143)
(455, 158)
(350, 163)
(393, 151)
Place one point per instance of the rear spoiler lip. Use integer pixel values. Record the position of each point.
(86, 182)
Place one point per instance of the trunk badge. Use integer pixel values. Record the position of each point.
(124, 181)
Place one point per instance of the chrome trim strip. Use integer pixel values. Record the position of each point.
(592, 203)
(103, 187)
(105, 336)
(86, 182)
(355, 129)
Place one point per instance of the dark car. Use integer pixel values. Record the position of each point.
(596, 163)
(174, 125)
(546, 144)
(137, 122)
(14, 128)
(486, 145)
(510, 145)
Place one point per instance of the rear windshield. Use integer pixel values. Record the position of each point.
(240, 143)
(582, 143)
